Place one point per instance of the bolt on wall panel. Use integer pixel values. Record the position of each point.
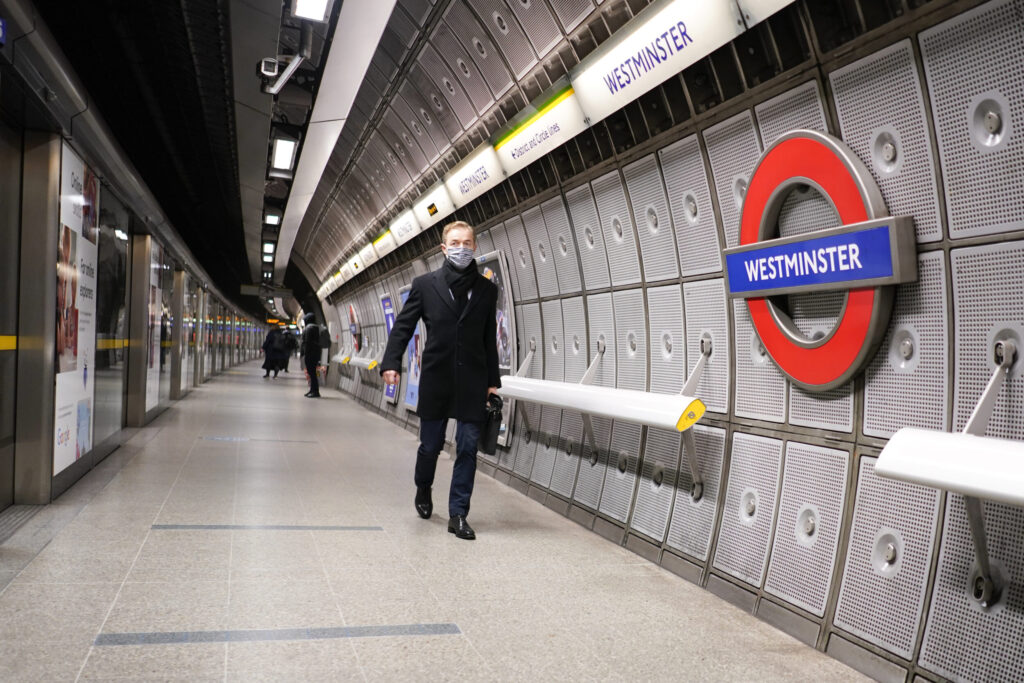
(569, 454)
(693, 214)
(620, 474)
(631, 340)
(500, 236)
(547, 446)
(657, 483)
(704, 306)
(507, 32)
(654, 226)
(587, 227)
(563, 245)
(693, 520)
(733, 150)
(521, 259)
(668, 350)
(541, 251)
(617, 226)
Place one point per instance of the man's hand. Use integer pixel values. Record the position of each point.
(491, 391)
(391, 377)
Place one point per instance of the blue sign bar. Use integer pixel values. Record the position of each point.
(855, 258)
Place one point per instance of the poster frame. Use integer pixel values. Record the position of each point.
(497, 260)
(393, 397)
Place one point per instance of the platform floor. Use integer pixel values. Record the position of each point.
(251, 534)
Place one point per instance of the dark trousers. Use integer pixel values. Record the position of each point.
(432, 433)
(314, 383)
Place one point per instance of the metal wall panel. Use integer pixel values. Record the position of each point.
(500, 236)
(657, 483)
(541, 251)
(906, 175)
(411, 118)
(590, 479)
(554, 340)
(654, 226)
(484, 243)
(807, 528)
(507, 32)
(988, 304)
(538, 23)
(815, 315)
(704, 306)
(693, 213)
(693, 521)
(478, 44)
(563, 245)
(878, 601)
(617, 226)
(962, 641)
(572, 12)
(760, 385)
(750, 494)
(529, 330)
(574, 339)
(574, 355)
(424, 120)
(908, 379)
(436, 102)
(547, 446)
(521, 260)
(668, 350)
(449, 84)
(733, 150)
(620, 474)
(587, 227)
(799, 108)
(568, 456)
(463, 66)
(601, 319)
(973, 64)
(631, 340)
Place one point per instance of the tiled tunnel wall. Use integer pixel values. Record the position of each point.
(632, 252)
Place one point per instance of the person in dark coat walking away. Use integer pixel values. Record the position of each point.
(291, 345)
(275, 352)
(311, 351)
(460, 367)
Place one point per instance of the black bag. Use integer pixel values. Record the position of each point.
(488, 441)
(324, 337)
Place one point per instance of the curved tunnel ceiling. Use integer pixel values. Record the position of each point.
(444, 78)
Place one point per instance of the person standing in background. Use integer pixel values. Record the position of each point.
(459, 369)
(311, 351)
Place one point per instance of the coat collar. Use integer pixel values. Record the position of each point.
(437, 278)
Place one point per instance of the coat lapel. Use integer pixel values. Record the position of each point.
(437, 277)
(478, 293)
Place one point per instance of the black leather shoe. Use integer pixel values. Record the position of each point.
(460, 527)
(424, 505)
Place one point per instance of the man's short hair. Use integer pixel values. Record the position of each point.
(457, 225)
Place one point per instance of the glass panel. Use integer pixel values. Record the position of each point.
(111, 315)
(166, 327)
(10, 211)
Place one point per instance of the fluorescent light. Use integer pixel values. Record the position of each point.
(268, 247)
(121, 235)
(268, 258)
(284, 154)
(272, 219)
(314, 10)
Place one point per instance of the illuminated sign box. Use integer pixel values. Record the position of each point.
(368, 255)
(870, 254)
(346, 273)
(356, 265)
(658, 43)
(385, 244)
(433, 206)
(474, 175)
(404, 228)
(555, 118)
(756, 11)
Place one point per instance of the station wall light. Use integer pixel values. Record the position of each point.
(312, 10)
(283, 155)
(272, 218)
(268, 247)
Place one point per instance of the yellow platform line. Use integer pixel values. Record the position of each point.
(8, 342)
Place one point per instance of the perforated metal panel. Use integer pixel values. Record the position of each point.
(602, 328)
(478, 44)
(692, 521)
(631, 339)
(962, 641)
(973, 64)
(417, 158)
(693, 214)
(547, 446)
(567, 457)
(750, 494)
(704, 304)
(590, 240)
(878, 601)
(807, 527)
(620, 474)
(528, 329)
(799, 108)
(907, 180)
(484, 243)
(571, 12)
(521, 259)
(733, 150)
(617, 226)
(574, 339)
(500, 236)
(563, 246)
(449, 85)
(425, 118)
(668, 352)
(654, 227)
(988, 304)
(511, 39)
(463, 66)
(907, 380)
(539, 24)
(541, 251)
(411, 118)
(760, 386)
(590, 478)
(435, 260)
(657, 483)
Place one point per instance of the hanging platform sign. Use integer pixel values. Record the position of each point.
(385, 244)
(869, 254)
(537, 130)
(658, 43)
(405, 227)
(433, 206)
(368, 255)
(474, 175)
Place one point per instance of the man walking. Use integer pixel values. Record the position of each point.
(311, 351)
(460, 367)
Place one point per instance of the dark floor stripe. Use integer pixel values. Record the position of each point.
(179, 637)
(224, 438)
(262, 527)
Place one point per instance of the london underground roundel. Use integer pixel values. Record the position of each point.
(866, 256)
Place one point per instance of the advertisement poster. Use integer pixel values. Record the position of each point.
(155, 328)
(353, 328)
(76, 310)
(413, 360)
(388, 306)
(492, 267)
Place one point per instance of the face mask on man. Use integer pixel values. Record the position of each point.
(459, 256)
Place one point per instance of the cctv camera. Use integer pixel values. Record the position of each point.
(268, 67)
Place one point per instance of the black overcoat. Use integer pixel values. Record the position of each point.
(460, 360)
